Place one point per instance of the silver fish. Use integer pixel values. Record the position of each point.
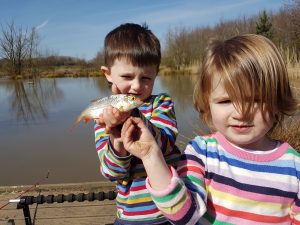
(122, 102)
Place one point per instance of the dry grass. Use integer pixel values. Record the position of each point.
(289, 132)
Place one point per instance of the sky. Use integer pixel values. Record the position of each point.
(77, 28)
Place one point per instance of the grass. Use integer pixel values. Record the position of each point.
(289, 132)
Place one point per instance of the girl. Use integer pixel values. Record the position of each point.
(238, 174)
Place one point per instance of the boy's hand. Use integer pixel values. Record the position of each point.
(137, 139)
(112, 117)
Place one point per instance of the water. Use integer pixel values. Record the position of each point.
(35, 122)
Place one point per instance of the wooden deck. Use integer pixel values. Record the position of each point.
(66, 213)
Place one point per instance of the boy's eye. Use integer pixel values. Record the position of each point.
(146, 78)
(126, 77)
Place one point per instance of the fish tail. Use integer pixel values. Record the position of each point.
(76, 122)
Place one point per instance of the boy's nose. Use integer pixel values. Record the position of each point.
(136, 84)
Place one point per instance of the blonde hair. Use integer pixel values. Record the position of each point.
(252, 71)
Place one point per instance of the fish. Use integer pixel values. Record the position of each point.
(123, 102)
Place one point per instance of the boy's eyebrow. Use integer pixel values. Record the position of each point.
(125, 74)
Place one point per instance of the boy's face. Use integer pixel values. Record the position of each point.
(129, 79)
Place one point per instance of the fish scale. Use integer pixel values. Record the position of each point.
(122, 102)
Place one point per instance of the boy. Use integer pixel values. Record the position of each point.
(132, 58)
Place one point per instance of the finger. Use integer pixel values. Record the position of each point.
(138, 122)
(127, 135)
(108, 115)
(126, 124)
(100, 119)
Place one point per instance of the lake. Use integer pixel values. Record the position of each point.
(35, 122)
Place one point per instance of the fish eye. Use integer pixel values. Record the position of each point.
(132, 98)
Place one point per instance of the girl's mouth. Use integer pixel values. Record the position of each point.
(241, 128)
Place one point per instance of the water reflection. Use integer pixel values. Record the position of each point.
(179, 87)
(29, 99)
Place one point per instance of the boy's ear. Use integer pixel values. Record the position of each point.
(106, 72)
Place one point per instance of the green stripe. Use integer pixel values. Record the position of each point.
(194, 180)
(169, 196)
(213, 220)
(293, 152)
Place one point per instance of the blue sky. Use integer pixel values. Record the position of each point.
(77, 28)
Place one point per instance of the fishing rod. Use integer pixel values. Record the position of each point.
(28, 189)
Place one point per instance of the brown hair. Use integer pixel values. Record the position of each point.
(253, 71)
(133, 42)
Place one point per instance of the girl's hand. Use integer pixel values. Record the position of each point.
(137, 138)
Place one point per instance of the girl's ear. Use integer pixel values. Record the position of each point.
(106, 72)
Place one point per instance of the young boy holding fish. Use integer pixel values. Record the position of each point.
(132, 58)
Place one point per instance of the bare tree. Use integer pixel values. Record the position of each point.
(18, 47)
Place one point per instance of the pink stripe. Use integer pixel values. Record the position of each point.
(181, 212)
(174, 181)
(163, 121)
(251, 156)
(275, 183)
(250, 195)
(234, 220)
(189, 162)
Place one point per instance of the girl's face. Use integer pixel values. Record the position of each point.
(129, 79)
(228, 120)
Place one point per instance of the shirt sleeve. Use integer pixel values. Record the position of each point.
(159, 117)
(112, 166)
(184, 200)
(295, 209)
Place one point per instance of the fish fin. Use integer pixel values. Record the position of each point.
(94, 100)
(86, 120)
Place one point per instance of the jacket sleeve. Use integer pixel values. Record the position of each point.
(184, 200)
(159, 117)
(112, 166)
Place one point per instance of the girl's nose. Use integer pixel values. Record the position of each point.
(237, 114)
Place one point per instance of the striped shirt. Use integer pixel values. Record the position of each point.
(134, 202)
(221, 184)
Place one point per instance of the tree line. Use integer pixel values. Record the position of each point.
(184, 48)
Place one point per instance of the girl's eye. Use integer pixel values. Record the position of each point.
(227, 101)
